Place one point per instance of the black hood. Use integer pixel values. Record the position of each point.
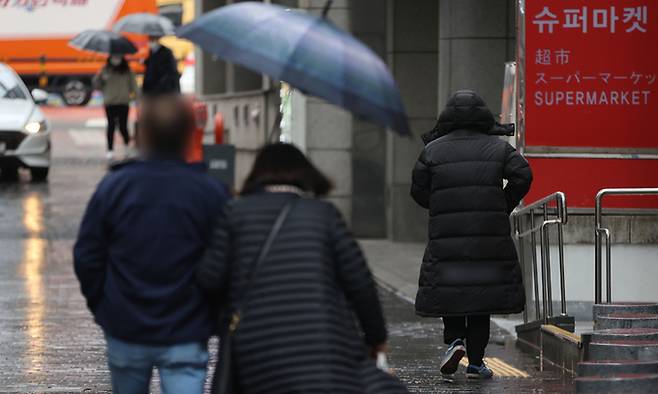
(465, 110)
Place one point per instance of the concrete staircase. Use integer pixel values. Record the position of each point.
(622, 352)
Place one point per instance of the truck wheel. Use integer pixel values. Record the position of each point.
(76, 93)
(9, 173)
(39, 174)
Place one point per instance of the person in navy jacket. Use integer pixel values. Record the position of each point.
(140, 241)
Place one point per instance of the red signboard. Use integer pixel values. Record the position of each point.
(591, 73)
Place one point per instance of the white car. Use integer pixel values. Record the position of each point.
(24, 130)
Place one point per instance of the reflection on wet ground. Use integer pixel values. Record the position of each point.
(49, 342)
(32, 267)
(417, 343)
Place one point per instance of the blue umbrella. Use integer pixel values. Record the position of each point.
(308, 52)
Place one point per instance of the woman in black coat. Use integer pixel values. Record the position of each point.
(297, 332)
(470, 269)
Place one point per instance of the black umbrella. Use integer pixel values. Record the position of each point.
(103, 41)
(146, 24)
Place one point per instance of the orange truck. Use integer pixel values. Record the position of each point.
(34, 37)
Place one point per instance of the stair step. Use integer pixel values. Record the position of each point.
(616, 367)
(624, 307)
(624, 383)
(641, 334)
(626, 320)
(623, 350)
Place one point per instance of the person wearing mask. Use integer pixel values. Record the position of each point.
(142, 236)
(117, 83)
(161, 74)
(470, 269)
(291, 277)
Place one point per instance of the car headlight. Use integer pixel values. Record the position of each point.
(34, 127)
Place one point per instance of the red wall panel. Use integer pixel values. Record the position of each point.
(581, 179)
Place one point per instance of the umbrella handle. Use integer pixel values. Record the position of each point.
(327, 6)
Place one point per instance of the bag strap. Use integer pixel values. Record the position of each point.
(276, 227)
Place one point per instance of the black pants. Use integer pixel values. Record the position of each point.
(116, 113)
(474, 330)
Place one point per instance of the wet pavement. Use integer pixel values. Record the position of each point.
(417, 343)
(49, 343)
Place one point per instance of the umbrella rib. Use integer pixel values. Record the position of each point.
(295, 51)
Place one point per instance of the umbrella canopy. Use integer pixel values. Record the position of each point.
(103, 41)
(308, 52)
(146, 24)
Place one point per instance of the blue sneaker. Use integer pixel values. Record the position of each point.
(453, 356)
(479, 372)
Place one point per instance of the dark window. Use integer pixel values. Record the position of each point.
(173, 12)
(10, 88)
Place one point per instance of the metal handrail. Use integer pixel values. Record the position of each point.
(544, 311)
(600, 231)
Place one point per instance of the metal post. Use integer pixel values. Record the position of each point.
(563, 297)
(597, 249)
(520, 75)
(543, 308)
(563, 218)
(544, 279)
(546, 244)
(597, 256)
(600, 231)
(43, 75)
(520, 240)
(535, 275)
(608, 267)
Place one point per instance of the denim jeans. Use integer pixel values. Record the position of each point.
(182, 367)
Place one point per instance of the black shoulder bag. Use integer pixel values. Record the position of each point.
(226, 372)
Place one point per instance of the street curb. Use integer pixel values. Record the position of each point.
(391, 288)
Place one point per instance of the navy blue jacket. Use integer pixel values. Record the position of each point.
(140, 241)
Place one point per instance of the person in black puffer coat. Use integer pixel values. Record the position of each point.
(470, 269)
(161, 75)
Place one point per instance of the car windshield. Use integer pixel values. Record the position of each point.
(10, 88)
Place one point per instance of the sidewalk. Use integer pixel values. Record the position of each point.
(416, 342)
(396, 266)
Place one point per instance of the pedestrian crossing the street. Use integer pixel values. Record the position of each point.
(500, 368)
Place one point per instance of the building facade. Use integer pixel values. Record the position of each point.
(433, 47)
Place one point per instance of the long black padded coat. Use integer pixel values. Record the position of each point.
(161, 74)
(298, 332)
(470, 266)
